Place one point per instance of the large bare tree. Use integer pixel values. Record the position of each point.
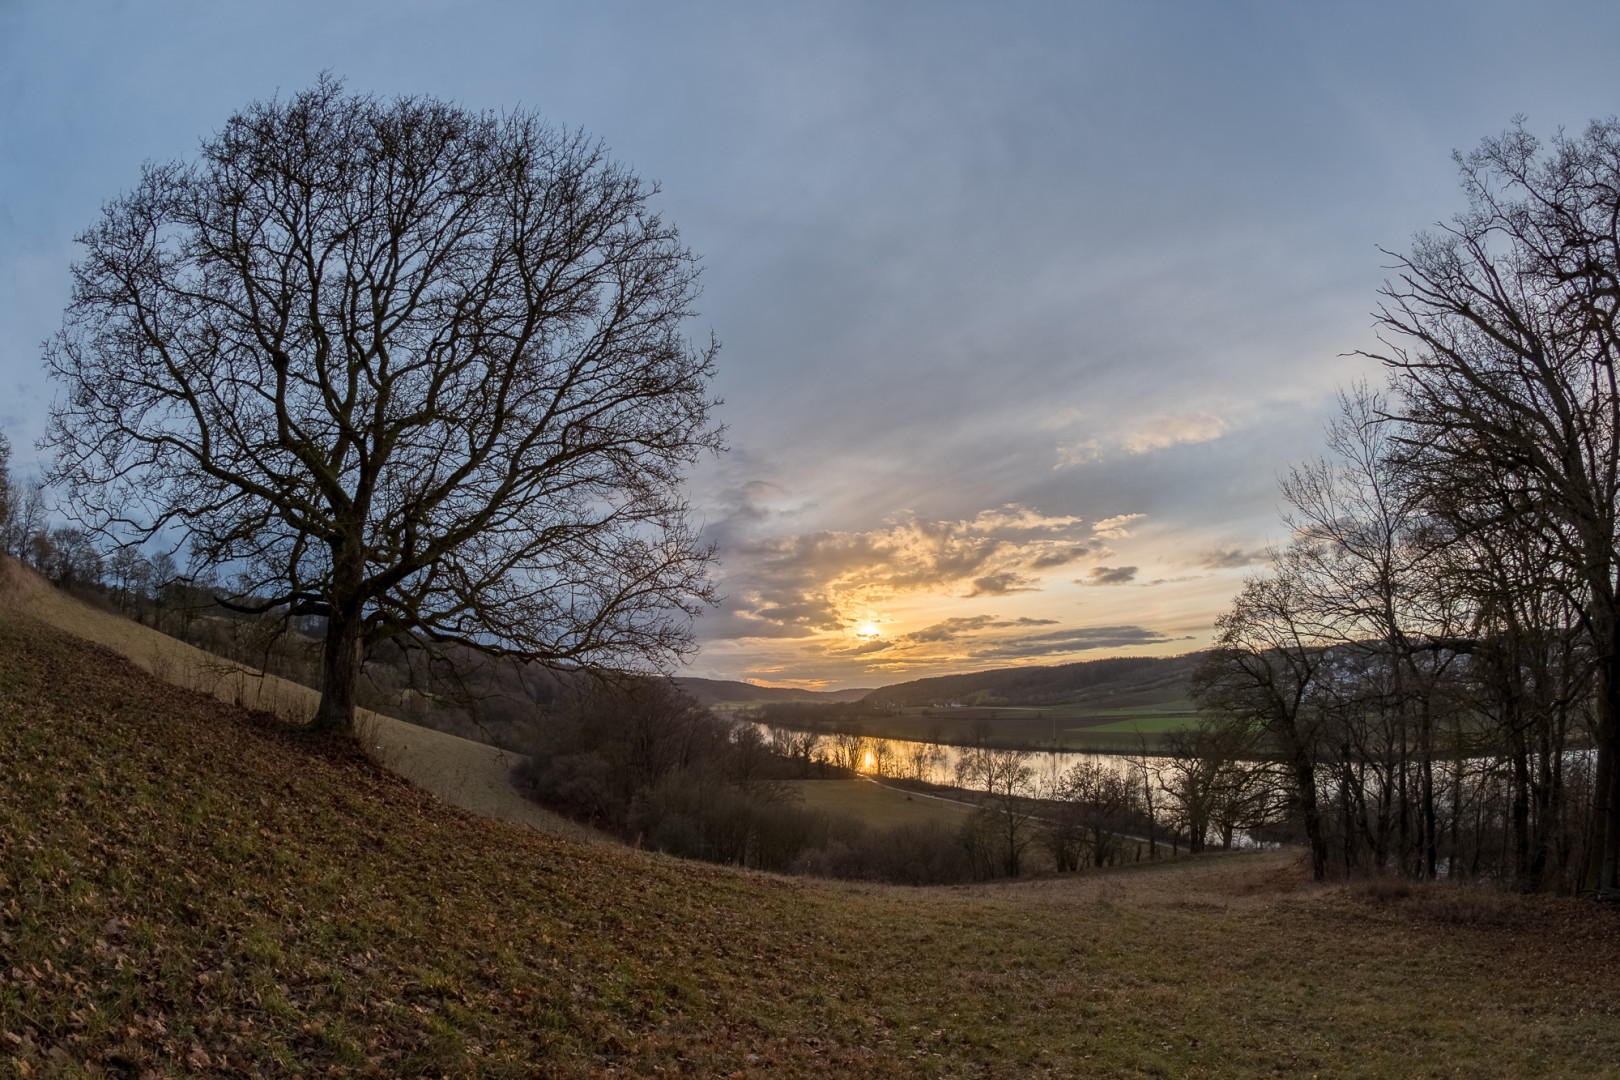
(416, 370)
(1503, 335)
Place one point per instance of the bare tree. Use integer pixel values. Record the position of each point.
(24, 518)
(416, 371)
(800, 747)
(884, 758)
(1502, 336)
(71, 558)
(1263, 674)
(849, 749)
(1006, 779)
(6, 499)
(924, 760)
(1100, 800)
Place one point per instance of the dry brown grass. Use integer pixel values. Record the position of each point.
(471, 775)
(188, 889)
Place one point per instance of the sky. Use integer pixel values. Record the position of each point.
(1024, 306)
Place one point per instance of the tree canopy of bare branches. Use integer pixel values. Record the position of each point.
(1438, 645)
(1502, 341)
(415, 370)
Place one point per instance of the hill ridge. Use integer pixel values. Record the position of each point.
(1043, 684)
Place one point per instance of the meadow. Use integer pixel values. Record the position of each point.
(188, 887)
(1124, 727)
(877, 806)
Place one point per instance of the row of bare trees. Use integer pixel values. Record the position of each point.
(1433, 664)
(66, 554)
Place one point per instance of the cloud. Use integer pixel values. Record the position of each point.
(966, 626)
(803, 584)
(1109, 575)
(1061, 418)
(1083, 453)
(1114, 528)
(1083, 639)
(1015, 518)
(1001, 584)
(1231, 556)
(785, 615)
(1159, 432)
(863, 648)
(950, 629)
(1153, 433)
(1064, 554)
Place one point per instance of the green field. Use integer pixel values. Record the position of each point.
(1069, 726)
(1146, 725)
(878, 806)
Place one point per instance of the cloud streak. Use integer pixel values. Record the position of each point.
(1062, 642)
(1110, 575)
(1231, 557)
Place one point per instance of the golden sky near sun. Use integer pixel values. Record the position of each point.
(1009, 586)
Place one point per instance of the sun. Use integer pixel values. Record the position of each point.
(868, 630)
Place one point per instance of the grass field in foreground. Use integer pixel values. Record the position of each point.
(878, 806)
(186, 889)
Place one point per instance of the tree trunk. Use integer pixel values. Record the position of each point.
(1604, 854)
(1310, 812)
(1521, 839)
(340, 674)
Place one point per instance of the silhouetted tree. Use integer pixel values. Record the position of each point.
(1502, 340)
(1262, 675)
(415, 370)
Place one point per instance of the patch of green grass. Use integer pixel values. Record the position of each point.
(878, 806)
(1149, 725)
(323, 917)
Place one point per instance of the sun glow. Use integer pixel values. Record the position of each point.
(868, 630)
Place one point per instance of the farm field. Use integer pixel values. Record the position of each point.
(1068, 727)
(878, 806)
(1147, 725)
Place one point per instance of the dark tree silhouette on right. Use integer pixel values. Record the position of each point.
(1501, 338)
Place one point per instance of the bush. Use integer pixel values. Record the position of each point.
(579, 785)
(904, 855)
(698, 815)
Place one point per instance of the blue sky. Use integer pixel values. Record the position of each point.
(1015, 298)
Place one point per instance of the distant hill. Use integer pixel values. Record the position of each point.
(1119, 680)
(723, 692)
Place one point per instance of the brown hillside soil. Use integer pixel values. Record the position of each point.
(186, 888)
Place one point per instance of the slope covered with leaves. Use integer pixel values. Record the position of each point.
(189, 889)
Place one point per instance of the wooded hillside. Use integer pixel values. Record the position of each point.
(1088, 680)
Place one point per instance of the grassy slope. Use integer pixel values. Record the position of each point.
(187, 888)
(474, 776)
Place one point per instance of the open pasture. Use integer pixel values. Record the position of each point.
(877, 806)
(194, 890)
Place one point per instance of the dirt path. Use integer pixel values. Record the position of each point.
(464, 773)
